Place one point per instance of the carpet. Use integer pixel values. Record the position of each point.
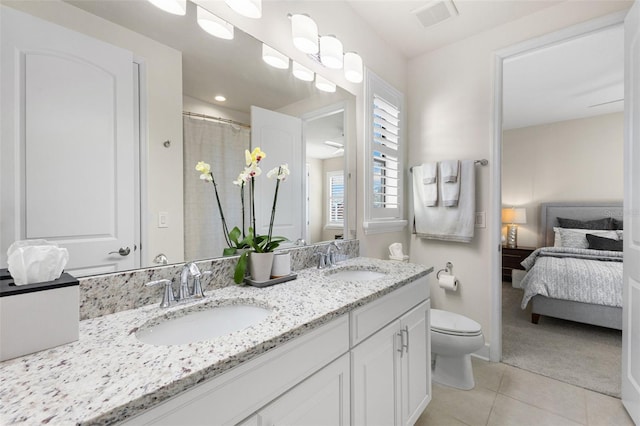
(575, 353)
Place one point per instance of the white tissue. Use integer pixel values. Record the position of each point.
(395, 250)
(34, 261)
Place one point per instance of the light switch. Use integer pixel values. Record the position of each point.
(481, 221)
(163, 220)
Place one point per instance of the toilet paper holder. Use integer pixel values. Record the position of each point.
(447, 269)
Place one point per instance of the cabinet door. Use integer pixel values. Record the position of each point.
(322, 399)
(375, 373)
(415, 363)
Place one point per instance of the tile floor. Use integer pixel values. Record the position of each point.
(509, 396)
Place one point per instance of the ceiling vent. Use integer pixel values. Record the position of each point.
(435, 12)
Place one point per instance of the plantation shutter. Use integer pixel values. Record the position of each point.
(336, 198)
(385, 157)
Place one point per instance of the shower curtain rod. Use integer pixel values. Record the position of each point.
(482, 162)
(209, 117)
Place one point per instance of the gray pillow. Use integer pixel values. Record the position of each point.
(604, 223)
(576, 238)
(617, 223)
(602, 243)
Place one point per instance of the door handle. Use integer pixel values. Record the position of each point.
(124, 251)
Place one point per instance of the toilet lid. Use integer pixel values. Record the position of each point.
(454, 323)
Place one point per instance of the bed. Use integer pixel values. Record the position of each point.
(603, 265)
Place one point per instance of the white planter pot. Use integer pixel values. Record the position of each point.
(260, 265)
(281, 265)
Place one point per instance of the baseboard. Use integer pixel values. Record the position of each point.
(483, 352)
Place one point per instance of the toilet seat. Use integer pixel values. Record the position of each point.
(446, 322)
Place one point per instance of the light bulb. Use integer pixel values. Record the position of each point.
(214, 25)
(331, 52)
(304, 32)
(248, 8)
(274, 58)
(324, 84)
(353, 67)
(301, 72)
(176, 7)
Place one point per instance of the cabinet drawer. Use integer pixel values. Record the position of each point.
(512, 261)
(370, 318)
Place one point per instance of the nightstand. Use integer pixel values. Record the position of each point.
(511, 258)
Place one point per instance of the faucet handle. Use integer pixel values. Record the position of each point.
(167, 297)
(197, 284)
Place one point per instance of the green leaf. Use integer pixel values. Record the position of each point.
(229, 251)
(234, 235)
(241, 268)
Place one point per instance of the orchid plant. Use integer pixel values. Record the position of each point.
(251, 240)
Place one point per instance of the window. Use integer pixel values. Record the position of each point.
(383, 210)
(335, 199)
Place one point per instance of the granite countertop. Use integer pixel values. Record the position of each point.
(109, 375)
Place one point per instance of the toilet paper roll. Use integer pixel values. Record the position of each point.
(448, 282)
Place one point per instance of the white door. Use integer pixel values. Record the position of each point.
(631, 274)
(67, 148)
(415, 363)
(376, 379)
(321, 400)
(280, 137)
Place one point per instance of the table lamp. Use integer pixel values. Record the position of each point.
(513, 217)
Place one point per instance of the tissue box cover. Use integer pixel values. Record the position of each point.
(34, 317)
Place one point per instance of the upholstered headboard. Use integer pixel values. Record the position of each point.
(549, 212)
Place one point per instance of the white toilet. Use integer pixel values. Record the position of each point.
(453, 338)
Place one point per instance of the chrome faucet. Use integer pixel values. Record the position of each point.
(189, 270)
(167, 296)
(330, 256)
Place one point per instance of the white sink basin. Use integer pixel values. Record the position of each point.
(202, 325)
(356, 275)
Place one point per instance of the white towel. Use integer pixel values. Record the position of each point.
(428, 192)
(450, 189)
(449, 170)
(429, 173)
(446, 223)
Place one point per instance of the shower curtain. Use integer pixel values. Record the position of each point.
(222, 145)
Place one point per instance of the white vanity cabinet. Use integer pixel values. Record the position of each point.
(368, 367)
(391, 367)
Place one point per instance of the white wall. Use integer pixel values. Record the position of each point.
(315, 200)
(164, 105)
(575, 160)
(450, 103)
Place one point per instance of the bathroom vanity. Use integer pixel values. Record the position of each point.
(333, 350)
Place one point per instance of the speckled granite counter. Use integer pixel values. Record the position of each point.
(108, 375)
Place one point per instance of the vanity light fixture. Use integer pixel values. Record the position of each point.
(301, 72)
(176, 7)
(220, 98)
(248, 8)
(304, 32)
(274, 58)
(331, 53)
(324, 84)
(214, 25)
(353, 67)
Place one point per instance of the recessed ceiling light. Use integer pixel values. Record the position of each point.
(220, 98)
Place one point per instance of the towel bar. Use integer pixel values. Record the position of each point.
(482, 162)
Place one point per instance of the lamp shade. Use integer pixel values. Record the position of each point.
(517, 215)
(301, 72)
(304, 32)
(248, 8)
(331, 52)
(214, 25)
(353, 67)
(176, 7)
(274, 58)
(324, 84)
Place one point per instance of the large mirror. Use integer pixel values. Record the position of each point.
(234, 69)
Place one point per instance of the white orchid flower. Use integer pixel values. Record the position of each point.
(205, 171)
(281, 172)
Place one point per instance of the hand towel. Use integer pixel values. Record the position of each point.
(429, 190)
(446, 223)
(450, 190)
(449, 171)
(429, 172)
